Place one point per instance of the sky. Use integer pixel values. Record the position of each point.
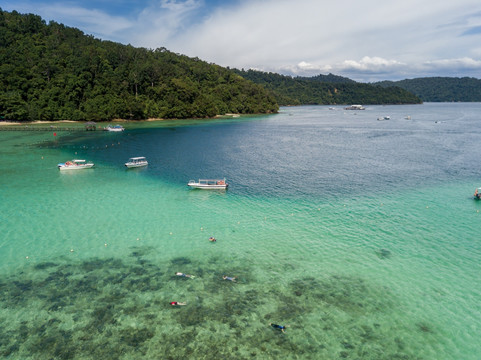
(364, 40)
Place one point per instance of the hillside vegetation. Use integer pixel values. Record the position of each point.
(53, 72)
(441, 89)
(327, 90)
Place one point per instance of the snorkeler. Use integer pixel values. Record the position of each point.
(184, 275)
(212, 239)
(280, 327)
(175, 303)
(225, 277)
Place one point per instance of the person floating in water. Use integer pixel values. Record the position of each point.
(280, 327)
(176, 303)
(225, 277)
(184, 275)
(212, 239)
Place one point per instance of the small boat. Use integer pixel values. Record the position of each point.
(75, 165)
(477, 193)
(115, 128)
(355, 107)
(208, 184)
(384, 118)
(136, 162)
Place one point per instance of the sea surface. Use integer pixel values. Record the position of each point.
(362, 236)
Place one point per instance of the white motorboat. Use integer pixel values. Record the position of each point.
(115, 128)
(136, 162)
(384, 118)
(355, 107)
(213, 184)
(75, 165)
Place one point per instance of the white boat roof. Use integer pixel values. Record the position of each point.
(137, 158)
(78, 160)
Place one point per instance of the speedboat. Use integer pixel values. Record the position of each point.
(384, 118)
(116, 128)
(75, 165)
(136, 162)
(208, 184)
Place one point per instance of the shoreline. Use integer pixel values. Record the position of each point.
(41, 122)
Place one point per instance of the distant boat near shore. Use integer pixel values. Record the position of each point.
(115, 128)
(355, 107)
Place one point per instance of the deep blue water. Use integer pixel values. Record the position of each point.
(332, 152)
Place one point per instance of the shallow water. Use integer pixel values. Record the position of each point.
(359, 234)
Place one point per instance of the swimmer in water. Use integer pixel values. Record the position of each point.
(175, 303)
(280, 327)
(184, 275)
(225, 277)
(212, 239)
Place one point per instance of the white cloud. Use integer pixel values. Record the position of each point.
(465, 62)
(307, 36)
(365, 40)
(161, 22)
(371, 64)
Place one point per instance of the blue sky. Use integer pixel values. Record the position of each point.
(365, 40)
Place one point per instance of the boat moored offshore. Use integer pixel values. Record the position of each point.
(75, 165)
(213, 184)
(135, 162)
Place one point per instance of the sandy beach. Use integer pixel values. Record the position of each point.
(39, 122)
(35, 122)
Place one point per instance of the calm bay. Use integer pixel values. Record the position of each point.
(361, 235)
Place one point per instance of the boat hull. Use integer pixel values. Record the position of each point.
(131, 165)
(62, 167)
(207, 187)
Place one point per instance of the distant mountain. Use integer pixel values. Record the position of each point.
(53, 72)
(440, 89)
(327, 90)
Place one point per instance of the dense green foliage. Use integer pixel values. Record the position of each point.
(329, 78)
(53, 72)
(327, 89)
(442, 89)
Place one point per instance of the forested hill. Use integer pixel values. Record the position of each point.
(53, 72)
(442, 89)
(327, 89)
(329, 78)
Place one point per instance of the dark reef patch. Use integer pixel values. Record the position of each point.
(383, 253)
(119, 308)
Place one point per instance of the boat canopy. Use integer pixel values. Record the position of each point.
(137, 158)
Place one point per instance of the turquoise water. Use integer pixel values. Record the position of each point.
(362, 235)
